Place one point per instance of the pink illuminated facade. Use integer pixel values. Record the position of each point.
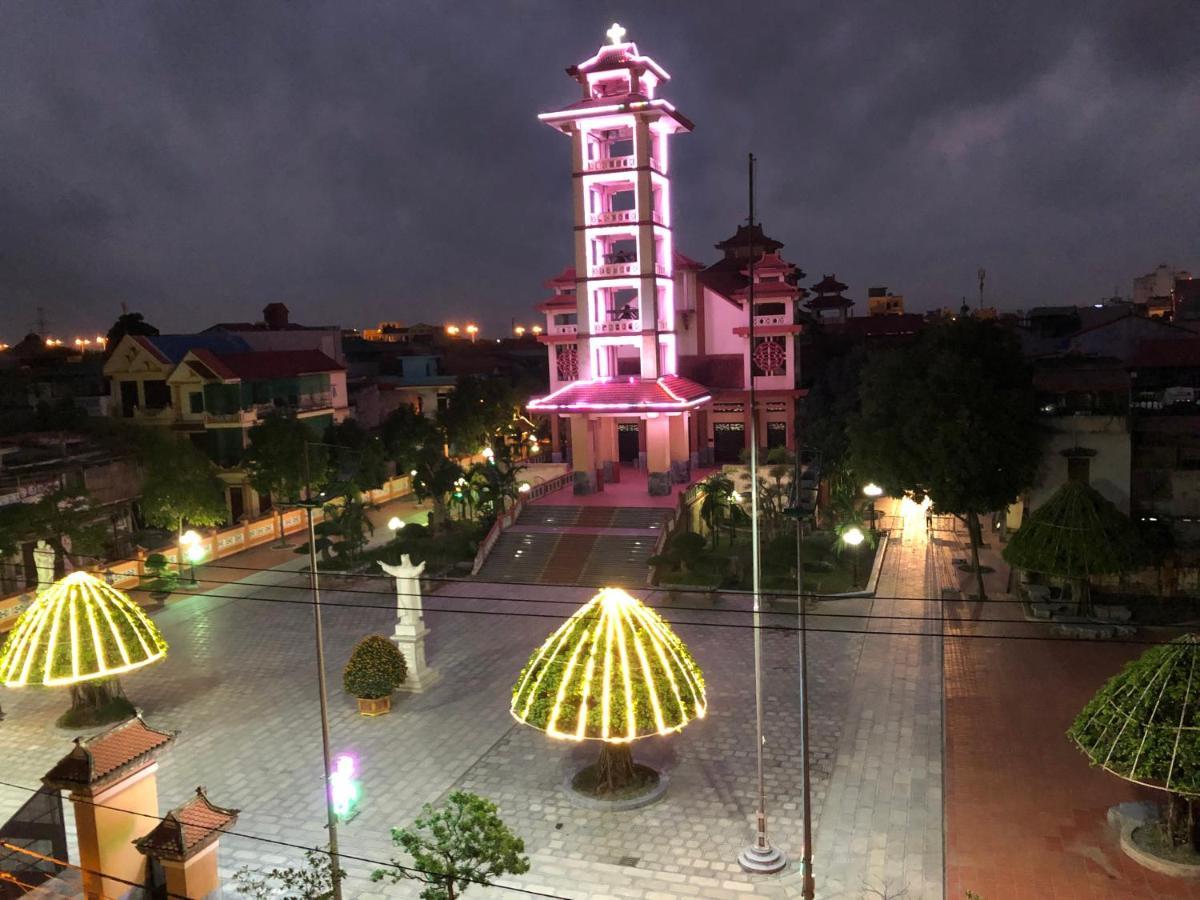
(635, 330)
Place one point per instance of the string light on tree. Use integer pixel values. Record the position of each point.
(80, 629)
(614, 672)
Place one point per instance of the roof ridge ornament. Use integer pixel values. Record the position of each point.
(616, 34)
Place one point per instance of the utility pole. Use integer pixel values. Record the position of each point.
(315, 588)
(807, 886)
(760, 857)
(982, 273)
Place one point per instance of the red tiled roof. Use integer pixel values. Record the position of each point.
(267, 363)
(566, 276)
(683, 261)
(102, 757)
(626, 394)
(187, 829)
(1167, 353)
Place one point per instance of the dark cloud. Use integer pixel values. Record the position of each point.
(369, 160)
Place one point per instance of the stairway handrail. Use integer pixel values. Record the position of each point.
(509, 517)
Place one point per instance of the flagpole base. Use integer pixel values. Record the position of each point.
(762, 860)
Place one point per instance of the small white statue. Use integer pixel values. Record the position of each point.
(410, 623)
(43, 561)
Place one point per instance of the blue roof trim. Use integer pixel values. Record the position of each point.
(176, 346)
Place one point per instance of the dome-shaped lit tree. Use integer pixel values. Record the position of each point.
(81, 633)
(614, 672)
(1144, 726)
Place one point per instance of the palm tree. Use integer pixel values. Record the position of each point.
(717, 490)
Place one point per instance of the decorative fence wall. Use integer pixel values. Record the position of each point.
(127, 573)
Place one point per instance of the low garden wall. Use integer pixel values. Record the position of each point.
(127, 574)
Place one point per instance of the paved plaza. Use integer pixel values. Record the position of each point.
(239, 686)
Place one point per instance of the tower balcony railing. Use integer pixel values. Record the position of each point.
(564, 329)
(619, 326)
(612, 164)
(614, 217)
(622, 217)
(615, 269)
(618, 164)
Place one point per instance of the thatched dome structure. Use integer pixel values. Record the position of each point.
(80, 629)
(1077, 533)
(613, 672)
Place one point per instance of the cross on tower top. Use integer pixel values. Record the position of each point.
(616, 34)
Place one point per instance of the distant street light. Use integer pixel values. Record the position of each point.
(519, 331)
(452, 330)
(472, 330)
(536, 329)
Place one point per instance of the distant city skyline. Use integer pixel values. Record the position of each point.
(384, 162)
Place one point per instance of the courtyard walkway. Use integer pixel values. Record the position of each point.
(881, 827)
(1025, 813)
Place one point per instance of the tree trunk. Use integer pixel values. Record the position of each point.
(282, 537)
(1181, 821)
(615, 766)
(975, 531)
(1083, 600)
(95, 695)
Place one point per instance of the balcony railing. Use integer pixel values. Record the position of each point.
(564, 329)
(620, 326)
(614, 217)
(612, 163)
(614, 270)
(778, 319)
(618, 163)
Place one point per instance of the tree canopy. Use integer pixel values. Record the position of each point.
(128, 323)
(275, 459)
(179, 485)
(955, 417)
(478, 410)
(463, 843)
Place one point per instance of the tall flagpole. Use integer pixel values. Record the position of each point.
(760, 856)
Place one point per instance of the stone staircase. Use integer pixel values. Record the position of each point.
(585, 545)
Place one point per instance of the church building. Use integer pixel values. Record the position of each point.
(651, 355)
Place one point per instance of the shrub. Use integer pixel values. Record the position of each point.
(376, 668)
(161, 577)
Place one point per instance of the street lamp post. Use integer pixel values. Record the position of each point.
(760, 857)
(190, 541)
(323, 694)
(807, 885)
(852, 538)
(873, 492)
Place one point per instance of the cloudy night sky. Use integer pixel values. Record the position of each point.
(383, 160)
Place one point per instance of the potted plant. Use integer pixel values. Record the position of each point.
(160, 577)
(376, 668)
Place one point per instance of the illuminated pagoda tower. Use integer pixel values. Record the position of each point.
(621, 349)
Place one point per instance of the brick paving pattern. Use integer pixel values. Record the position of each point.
(238, 686)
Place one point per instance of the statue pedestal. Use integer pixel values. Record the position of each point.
(412, 645)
